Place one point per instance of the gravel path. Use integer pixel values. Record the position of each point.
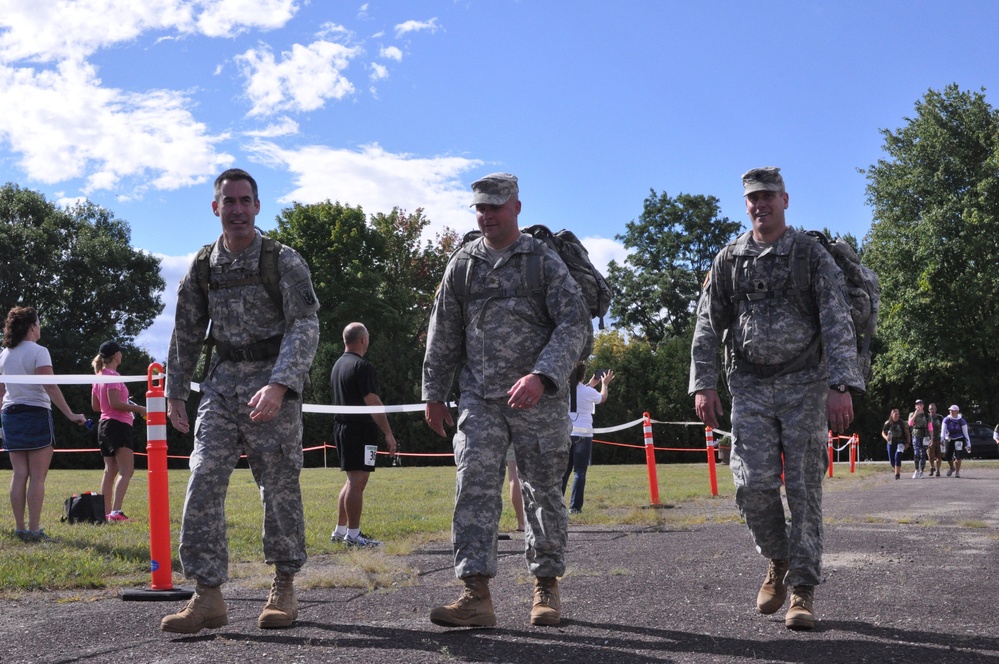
(909, 577)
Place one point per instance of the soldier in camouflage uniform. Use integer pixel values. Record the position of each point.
(251, 405)
(513, 353)
(791, 366)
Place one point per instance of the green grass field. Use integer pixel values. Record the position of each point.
(405, 507)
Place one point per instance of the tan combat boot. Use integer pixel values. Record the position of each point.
(473, 609)
(773, 592)
(799, 615)
(206, 610)
(281, 609)
(547, 603)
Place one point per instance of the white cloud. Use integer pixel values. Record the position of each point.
(378, 72)
(304, 79)
(416, 26)
(285, 127)
(603, 250)
(391, 53)
(54, 30)
(64, 125)
(226, 18)
(156, 338)
(378, 181)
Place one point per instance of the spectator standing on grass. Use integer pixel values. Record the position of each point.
(513, 349)
(354, 382)
(793, 362)
(516, 498)
(918, 427)
(256, 297)
(26, 415)
(896, 434)
(584, 401)
(954, 435)
(933, 422)
(114, 431)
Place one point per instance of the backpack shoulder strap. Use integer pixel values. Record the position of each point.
(202, 267)
(270, 277)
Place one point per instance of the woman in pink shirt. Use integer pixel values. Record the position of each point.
(114, 431)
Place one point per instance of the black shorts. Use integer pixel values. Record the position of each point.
(356, 445)
(114, 435)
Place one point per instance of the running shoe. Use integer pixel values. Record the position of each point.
(360, 540)
(119, 517)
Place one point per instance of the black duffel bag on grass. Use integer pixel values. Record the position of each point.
(85, 508)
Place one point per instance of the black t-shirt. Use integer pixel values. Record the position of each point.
(352, 379)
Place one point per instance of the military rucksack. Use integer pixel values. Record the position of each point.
(267, 271)
(595, 289)
(862, 292)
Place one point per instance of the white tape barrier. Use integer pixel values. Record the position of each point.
(78, 379)
(85, 379)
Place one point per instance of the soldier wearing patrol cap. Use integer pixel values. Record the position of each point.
(791, 362)
(513, 381)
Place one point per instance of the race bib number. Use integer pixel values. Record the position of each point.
(370, 454)
(901, 447)
(959, 445)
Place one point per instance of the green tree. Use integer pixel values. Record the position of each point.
(672, 245)
(77, 267)
(934, 243)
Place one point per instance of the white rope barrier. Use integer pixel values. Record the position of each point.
(78, 379)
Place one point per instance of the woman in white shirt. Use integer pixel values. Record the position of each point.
(27, 419)
(581, 413)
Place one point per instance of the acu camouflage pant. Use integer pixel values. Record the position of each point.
(768, 421)
(273, 450)
(540, 438)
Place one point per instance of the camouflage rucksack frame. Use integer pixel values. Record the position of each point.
(595, 289)
(862, 293)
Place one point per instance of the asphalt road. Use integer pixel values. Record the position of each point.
(909, 573)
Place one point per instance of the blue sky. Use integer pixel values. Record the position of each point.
(137, 106)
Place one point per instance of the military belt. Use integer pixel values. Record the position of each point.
(261, 350)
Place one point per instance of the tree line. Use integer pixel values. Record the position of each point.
(933, 240)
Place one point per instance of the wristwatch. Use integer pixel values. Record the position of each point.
(842, 388)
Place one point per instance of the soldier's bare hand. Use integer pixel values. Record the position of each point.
(266, 403)
(708, 405)
(839, 410)
(177, 413)
(526, 392)
(436, 414)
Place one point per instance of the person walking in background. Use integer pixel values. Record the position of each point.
(918, 428)
(516, 497)
(257, 297)
(793, 361)
(513, 347)
(28, 433)
(354, 382)
(954, 435)
(896, 434)
(933, 423)
(114, 431)
(584, 400)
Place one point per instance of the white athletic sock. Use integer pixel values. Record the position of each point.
(340, 531)
(353, 532)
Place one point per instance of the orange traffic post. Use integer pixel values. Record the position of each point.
(650, 459)
(712, 445)
(160, 550)
(853, 453)
(832, 451)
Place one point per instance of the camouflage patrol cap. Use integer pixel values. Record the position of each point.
(494, 189)
(762, 179)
